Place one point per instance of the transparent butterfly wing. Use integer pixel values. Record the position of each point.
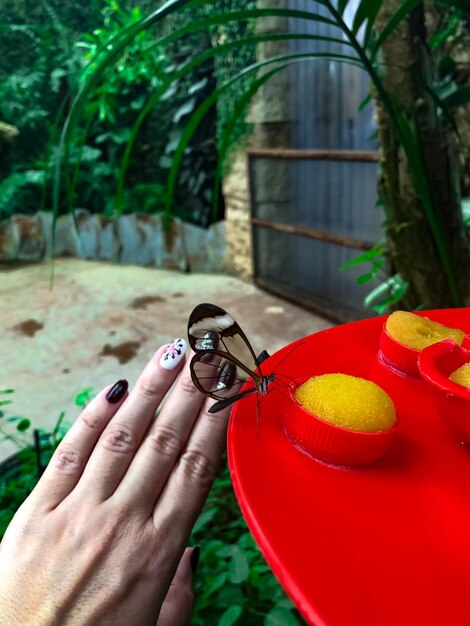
(218, 379)
(214, 334)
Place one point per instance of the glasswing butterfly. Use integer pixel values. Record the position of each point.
(224, 358)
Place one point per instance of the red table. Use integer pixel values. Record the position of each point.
(387, 545)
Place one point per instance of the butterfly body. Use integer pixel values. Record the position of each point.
(224, 358)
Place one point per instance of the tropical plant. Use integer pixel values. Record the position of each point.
(43, 65)
(34, 450)
(366, 42)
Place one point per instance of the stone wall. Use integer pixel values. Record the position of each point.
(133, 239)
(270, 117)
(237, 217)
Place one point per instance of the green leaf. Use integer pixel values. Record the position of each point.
(362, 14)
(238, 569)
(84, 396)
(215, 583)
(364, 278)
(438, 39)
(204, 519)
(138, 103)
(285, 603)
(6, 391)
(458, 97)
(279, 616)
(364, 102)
(388, 293)
(23, 425)
(230, 616)
(198, 86)
(13, 183)
(374, 254)
(185, 109)
(371, 9)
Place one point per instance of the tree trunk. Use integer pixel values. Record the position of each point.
(408, 67)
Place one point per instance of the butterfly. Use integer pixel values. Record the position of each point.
(224, 358)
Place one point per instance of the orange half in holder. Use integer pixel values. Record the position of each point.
(436, 364)
(402, 358)
(330, 443)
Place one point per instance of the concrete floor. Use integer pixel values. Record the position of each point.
(102, 322)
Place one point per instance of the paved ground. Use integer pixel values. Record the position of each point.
(102, 322)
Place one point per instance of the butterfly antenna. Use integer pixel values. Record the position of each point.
(282, 394)
(290, 352)
(292, 380)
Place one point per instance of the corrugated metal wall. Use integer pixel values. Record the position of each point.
(334, 196)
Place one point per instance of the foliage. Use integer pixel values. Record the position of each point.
(19, 480)
(362, 46)
(110, 113)
(100, 174)
(233, 582)
(11, 197)
(36, 55)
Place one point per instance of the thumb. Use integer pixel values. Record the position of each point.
(179, 602)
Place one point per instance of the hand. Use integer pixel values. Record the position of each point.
(99, 539)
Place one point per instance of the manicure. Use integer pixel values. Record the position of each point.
(173, 354)
(117, 391)
(195, 558)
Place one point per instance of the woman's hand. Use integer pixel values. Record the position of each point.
(100, 538)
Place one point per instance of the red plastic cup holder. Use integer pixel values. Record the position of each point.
(397, 355)
(436, 364)
(330, 443)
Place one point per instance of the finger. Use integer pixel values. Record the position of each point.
(156, 458)
(179, 602)
(120, 440)
(186, 489)
(69, 460)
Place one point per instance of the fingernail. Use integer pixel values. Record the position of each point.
(173, 354)
(117, 391)
(195, 558)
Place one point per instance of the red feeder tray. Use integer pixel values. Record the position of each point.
(382, 545)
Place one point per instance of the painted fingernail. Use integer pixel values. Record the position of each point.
(173, 354)
(195, 554)
(117, 391)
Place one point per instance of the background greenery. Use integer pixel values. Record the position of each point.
(47, 50)
(154, 97)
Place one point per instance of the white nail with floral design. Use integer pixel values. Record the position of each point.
(173, 354)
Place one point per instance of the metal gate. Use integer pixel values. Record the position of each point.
(314, 204)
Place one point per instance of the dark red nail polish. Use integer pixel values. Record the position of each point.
(195, 558)
(117, 391)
